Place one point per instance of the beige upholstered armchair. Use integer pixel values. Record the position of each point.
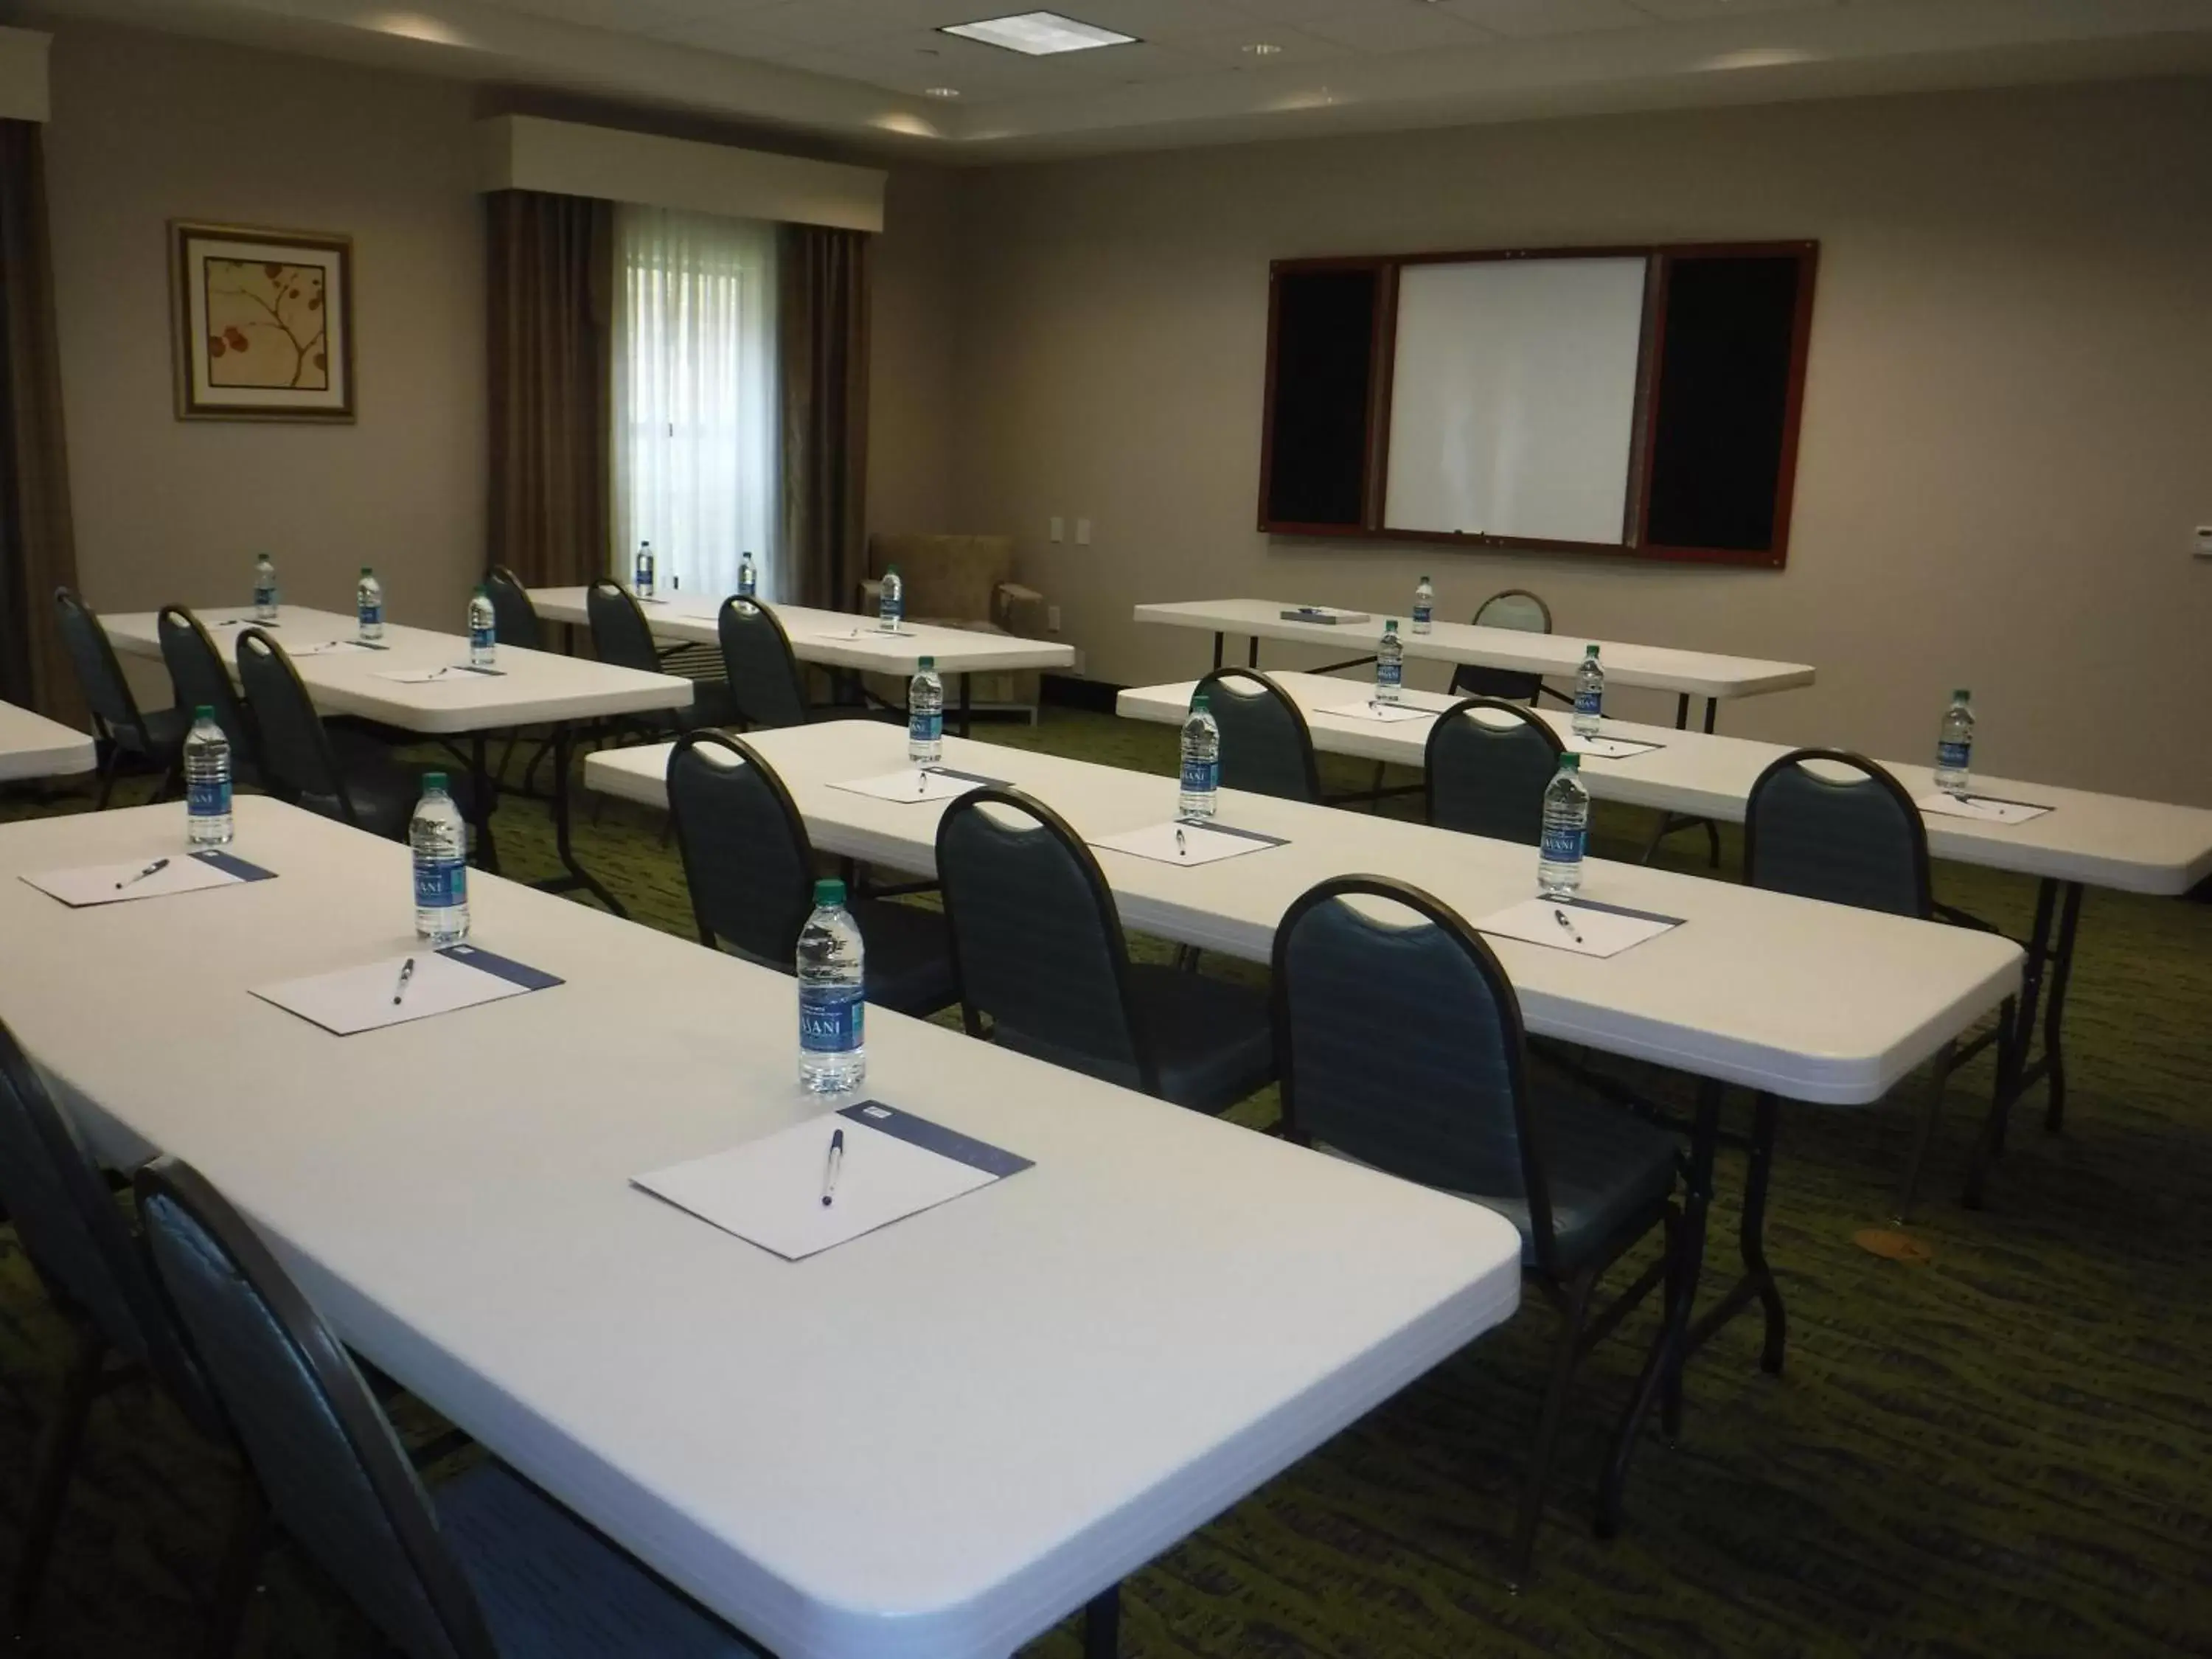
(961, 581)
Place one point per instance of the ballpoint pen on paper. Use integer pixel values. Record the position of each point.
(1560, 916)
(406, 973)
(832, 1165)
(153, 869)
(1181, 851)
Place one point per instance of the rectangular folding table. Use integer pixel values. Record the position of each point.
(33, 746)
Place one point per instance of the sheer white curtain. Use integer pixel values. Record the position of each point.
(696, 409)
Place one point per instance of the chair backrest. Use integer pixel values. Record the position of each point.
(746, 857)
(1487, 762)
(335, 1475)
(1036, 941)
(66, 1220)
(1440, 1097)
(297, 764)
(513, 614)
(1857, 840)
(1265, 746)
(1519, 609)
(620, 634)
(98, 676)
(758, 662)
(201, 679)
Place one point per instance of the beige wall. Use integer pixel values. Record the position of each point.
(2007, 430)
(150, 127)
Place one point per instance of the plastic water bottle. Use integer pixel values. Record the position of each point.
(265, 589)
(369, 607)
(207, 782)
(833, 1050)
(1566, 830)
(440, 840)
(1590, 694)
(641, 571)
(1389, 665)
(891, 608)
(1201, 797)
(925, 716)
(483, 630)
(1954, 746)
(748, 577)
(1425, 605)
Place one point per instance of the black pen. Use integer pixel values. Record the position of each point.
(831, 1166)
(1180, 851)
(406, 973)
(153, 869)
(1560, 916)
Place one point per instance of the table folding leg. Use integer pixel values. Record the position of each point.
(576, 877)
(2050, 950)
(1671, 822)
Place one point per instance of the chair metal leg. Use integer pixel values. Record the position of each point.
(1924, 1133)
(108, 763)
(2054, 1013)
(2012, 1047)
(1670, 1298)
(1101, 1624)
(1563, 1356)
(52, 1468)
(239, 1572)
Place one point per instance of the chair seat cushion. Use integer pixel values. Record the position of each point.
(909, 956)
(550, 1588)
(165, 726)
(384, 791)
(1212, 1041)
(1605, 1170)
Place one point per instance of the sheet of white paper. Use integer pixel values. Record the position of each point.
(328, 647)
(361, 999)
(117, 884)
(869, 632)
(1198, 845)
(1590, 930)
(769, 1191)
(1606, 748)
(914, 784)
(427, 676)
(1984, 809)
(1383, 713)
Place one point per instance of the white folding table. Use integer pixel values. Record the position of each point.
(532, 688)
(838, 639)
(2085, 839)
(1687, 673)
(1749, 990)
(33, 746)
(936, 1440)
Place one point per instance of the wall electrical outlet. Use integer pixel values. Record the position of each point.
(1052, 619)
(1083, 532)
(1059, 532)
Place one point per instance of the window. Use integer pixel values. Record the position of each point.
(696, 408)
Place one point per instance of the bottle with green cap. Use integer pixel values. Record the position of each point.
(1200, 795)
(1566, 830)
(207, 782)
(1389, 666)
(890, 600)
(483, 629)
(369, 607)
(1590, 694)
(833, 1050)
(1425, 605)
(440, 838)
(924, 715)
(265, 588)
(1954, 745)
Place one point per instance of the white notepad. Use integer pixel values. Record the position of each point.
(1325, 614)
(362, 999)
(870, 633)
(1383, 714)
(1199, 843)
(1606, 748)
(426, 675)
(916, 784)
(1590, 929)
(331, 648)
(117, 884)
(769, 1191)
(1984, 809)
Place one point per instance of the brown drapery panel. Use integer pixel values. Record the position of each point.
(821, 316)
(37, 540)
(551, 279)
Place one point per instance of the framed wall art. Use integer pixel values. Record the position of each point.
(264, 323)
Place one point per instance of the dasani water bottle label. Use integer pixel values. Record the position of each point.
(831, 1018)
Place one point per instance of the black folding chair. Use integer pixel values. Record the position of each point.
(201, 679)
(1266, 746)
(157, 739)
(1486, 766)
(1519, 609)
(621, 636)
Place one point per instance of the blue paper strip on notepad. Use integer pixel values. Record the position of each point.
(236, 867)
(514, 973)
(936, 1138)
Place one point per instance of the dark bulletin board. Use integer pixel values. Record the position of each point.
(1724, 345)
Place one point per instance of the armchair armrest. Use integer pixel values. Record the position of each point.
(869, 591)
(1019, 610)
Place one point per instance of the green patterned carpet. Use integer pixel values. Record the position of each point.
(2006, 1451)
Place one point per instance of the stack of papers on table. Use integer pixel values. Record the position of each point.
(1323, 613)
(918, 783)
(373, 996)
(115, 884)
(1582, 925)
(893, 1166)
(1985, 809)
(1185, 841)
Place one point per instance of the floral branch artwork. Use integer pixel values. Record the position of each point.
(263, 324)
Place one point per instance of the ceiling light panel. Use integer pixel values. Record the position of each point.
(1038, 33)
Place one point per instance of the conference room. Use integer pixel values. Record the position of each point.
(1173, 827)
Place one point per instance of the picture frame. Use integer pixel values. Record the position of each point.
(262, 321)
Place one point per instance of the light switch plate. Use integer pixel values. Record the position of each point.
(1083, 532)
(1052, 619)
(1059, 532)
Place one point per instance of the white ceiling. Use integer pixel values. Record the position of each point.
(864, 68)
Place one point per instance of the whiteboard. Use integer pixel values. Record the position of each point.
(1513, 398)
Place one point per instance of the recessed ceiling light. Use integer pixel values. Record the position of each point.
(1038, 33)
(940, 92)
